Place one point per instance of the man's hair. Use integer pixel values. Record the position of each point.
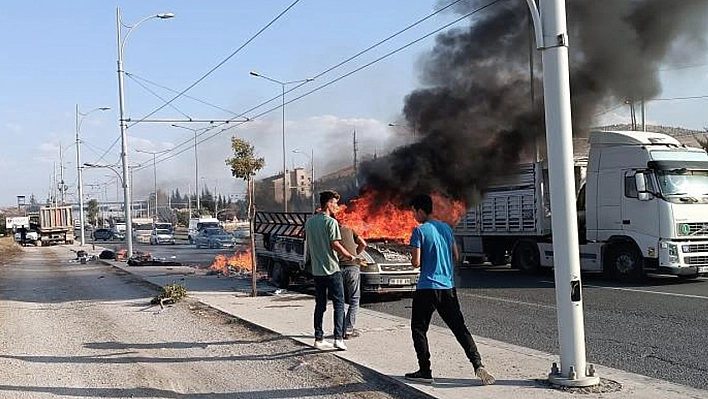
(423, 202)
(327, 195)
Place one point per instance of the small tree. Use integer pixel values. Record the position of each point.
(244, 165)
(93, 211)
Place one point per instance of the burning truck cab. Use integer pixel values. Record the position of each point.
(280, 249)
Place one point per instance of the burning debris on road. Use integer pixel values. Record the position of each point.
(239, 263)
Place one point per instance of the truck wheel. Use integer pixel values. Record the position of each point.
(526, 257)
(280, 275)
(624, 262)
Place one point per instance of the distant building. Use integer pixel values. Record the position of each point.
(298, 182)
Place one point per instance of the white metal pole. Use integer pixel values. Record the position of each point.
(566, 255)
(312, 184)
(285, 170)
(79, 176)
(124, 143)
(196, 170)
(154, 173)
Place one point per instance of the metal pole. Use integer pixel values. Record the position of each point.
(312, 185)
(196, 171)
(79, 175)
(552, 39)
(154, 173)
(644, 125)
(285, 171)
(127, 200)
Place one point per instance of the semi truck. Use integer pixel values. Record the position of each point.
(642, 203)
(54, 225)
(281, 250)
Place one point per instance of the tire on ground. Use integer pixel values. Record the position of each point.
(526, 257)
(279, 274)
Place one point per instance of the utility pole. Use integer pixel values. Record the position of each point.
(552, 41)
(356, 163)
(61, 174)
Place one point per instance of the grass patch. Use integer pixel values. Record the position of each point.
(171, 293)
(8, 249)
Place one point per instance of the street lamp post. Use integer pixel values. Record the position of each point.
(122, 120)
(312, 174)
(196, 162)
(285, 170)
(78, 120)
(154, 171)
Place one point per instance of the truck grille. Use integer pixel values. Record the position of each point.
(696, 260)
(396, 268)
(696, 248)
(696, 229)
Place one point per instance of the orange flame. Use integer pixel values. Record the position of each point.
(240, 261)
(373, 220)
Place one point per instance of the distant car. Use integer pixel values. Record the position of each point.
(214, 237)
(30, 236)
(106, 234)
(162, 236)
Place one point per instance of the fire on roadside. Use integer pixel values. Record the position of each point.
(240, 262)
(388, 221)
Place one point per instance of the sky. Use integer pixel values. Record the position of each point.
(57, 55)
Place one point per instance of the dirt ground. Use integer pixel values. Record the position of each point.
(8, 249)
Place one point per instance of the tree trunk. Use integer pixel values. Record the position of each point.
(251, 215)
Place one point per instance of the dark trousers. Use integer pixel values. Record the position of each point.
(329, 286)
(425, 302)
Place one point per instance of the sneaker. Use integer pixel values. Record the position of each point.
(351, 334)
(322, 344)
(339, 344)
(483, 374)
(421, 376)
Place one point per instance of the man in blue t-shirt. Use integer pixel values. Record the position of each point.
(434, 251)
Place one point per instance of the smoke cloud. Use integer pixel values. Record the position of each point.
(474, 117)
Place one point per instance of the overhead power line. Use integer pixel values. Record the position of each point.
(209, 137)
(217, 66)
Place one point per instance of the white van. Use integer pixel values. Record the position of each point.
(196, 224)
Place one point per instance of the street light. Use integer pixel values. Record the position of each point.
(285, 170)
(78, 120)
(154, 170)
(122, 120)
(196, 162)
(312, 174)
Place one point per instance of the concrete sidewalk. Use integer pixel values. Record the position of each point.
(386, 346)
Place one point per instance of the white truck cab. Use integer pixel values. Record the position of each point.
(642, 208)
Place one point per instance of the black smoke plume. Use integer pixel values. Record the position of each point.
(473, 116)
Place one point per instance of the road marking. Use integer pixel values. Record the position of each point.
(638, 290)
(494, 298)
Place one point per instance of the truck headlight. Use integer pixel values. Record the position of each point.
(369, 268)
(673, 253)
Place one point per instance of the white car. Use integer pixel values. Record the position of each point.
(30, 236)
(162, 236)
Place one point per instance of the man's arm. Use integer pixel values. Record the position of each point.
(415, 258)
(360, 244)
(455, 252)
(337, 246)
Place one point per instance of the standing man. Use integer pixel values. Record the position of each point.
(354, 244)
(323, 243)
(433, 251)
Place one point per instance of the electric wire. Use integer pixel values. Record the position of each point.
(397, 50)
(149, 90)
(225, 60)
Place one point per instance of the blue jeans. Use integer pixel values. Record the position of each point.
(329, 286)
(352, 295)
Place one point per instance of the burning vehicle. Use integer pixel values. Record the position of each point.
(385, 262)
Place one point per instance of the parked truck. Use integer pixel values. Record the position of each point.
(54, 225)
(642, 207)
(280, 249)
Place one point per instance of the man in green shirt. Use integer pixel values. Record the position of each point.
(323, 243)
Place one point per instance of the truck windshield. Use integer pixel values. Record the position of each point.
(683, 182)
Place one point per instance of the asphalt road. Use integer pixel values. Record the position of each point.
(79, 331)
(657, 327)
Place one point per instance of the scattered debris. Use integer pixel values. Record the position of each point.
(146, 259)
(107, 254)
(171, 293)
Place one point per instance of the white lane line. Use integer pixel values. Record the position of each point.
(642, 291)
(494, 298)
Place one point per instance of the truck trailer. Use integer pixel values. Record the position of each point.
(280, 249)
(642, 203)
(54, 224)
